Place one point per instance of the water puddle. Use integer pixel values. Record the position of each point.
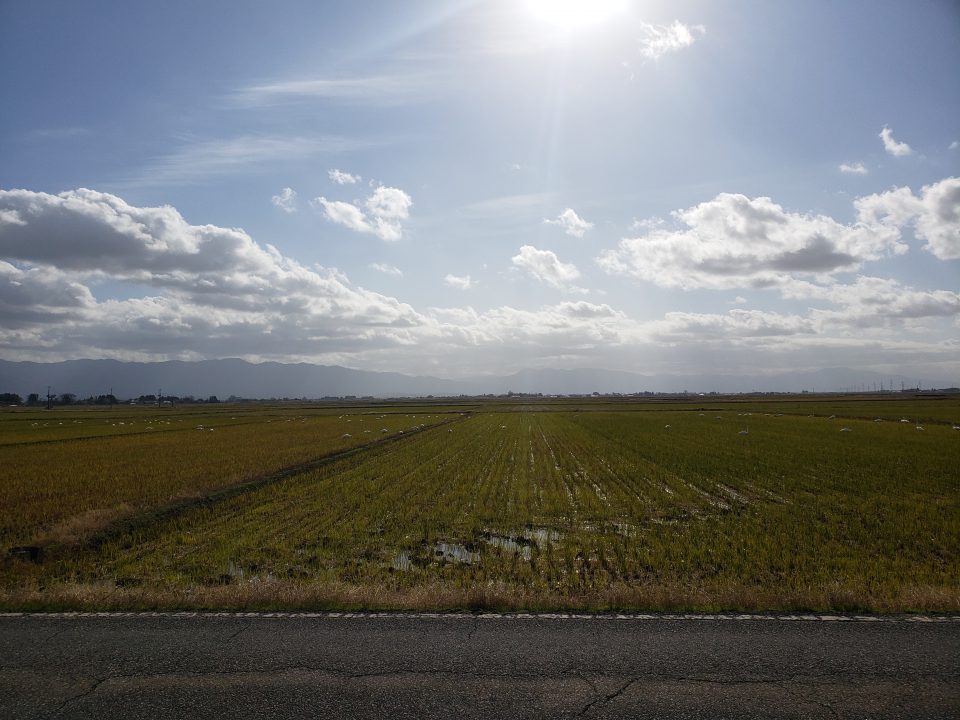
(455, 552)
(436, 553)
(522, 543)
(517, 546)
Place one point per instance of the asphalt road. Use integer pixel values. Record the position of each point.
(405, 666)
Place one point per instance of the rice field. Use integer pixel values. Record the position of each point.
(64, 476)
(551, 505)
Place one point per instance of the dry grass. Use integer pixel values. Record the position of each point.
(492, 596)
(74, 530)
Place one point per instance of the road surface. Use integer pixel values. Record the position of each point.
(419, 666)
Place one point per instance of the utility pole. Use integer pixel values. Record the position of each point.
(110, 399)
(159, 396)
(49, 399)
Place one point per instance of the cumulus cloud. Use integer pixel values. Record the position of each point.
(286, 200)
(546, 267)
(734, 241)
(381, 213)
(733, 325)
(10, 217)
(875, 302)
(892, 146)
(386, 269)
(216, 287)
(857, 168)
(461, 282)
(935, 213)
(954, 145)
(659, 40)
(571, 223)
(215, 292)
(343, 178)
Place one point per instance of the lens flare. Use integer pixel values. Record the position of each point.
(570, 16)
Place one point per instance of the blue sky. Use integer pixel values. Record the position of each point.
(476, 187)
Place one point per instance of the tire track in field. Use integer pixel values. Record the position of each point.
(179, 507)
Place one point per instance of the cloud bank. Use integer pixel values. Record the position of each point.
(198, 291)
(733, 241)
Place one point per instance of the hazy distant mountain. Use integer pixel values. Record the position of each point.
(224, 378)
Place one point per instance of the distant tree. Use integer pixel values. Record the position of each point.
(10, 399)
(33, 399)
(213, 399)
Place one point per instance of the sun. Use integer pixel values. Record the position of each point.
(572, 16)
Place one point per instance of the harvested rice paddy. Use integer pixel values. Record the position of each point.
(825, 505)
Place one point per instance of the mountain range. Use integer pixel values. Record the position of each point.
(234, 377)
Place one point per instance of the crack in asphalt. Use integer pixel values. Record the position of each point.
(473, 629)
(243, 628)
(94, 686)
(602, 700)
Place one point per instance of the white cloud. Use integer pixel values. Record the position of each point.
(897, 149)
(386, 269)
(733, 325)
(219, 292)
(546, 267)
(734, 241)
(875, 302)
(344, 213)
(215, 292)
(286, 200)
(739, 300)
(11, 217)
(461, 282)
(935, 212)
(381, 213)
(343, 178)
(954, 145)
(939, 220)
(658, 40)
(857, 168)
(571, 223)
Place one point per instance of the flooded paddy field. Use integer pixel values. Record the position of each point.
(728, 505)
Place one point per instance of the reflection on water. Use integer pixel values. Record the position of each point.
(455, 552)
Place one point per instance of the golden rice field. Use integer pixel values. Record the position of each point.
(825, 505)
(64, 475)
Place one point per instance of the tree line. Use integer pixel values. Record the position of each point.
(36, 399)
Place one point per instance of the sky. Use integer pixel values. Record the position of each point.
(467, 187)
